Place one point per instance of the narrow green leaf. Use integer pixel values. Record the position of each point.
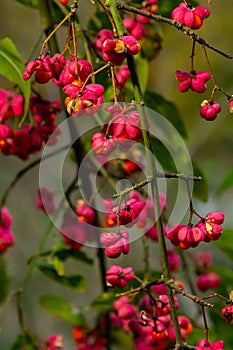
(72, 281)
(24, 341)
(167, 109)
(12, 68)
(4, 280)
(98, 22)
(104, 302)
(143, 71)
(29, 3)
(59, 307)
(121, 339)
(227, 181)
(163, 156)
(59, 266)
(143, 74)
(65, 253)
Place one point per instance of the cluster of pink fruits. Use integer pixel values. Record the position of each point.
(139, 321)
(71, 74)
(78, 228)
(121, 128)
(190, 16)
(136, 29)
(135, 211)
(30, 139)
(7, 238)
(206, 278)
(196, 81)
(193, 18)
(206, 230)
(116, 243)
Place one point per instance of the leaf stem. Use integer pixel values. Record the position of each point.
(112, 4)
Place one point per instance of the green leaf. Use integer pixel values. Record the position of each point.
(167, 109)
(227, 181)
(59, 266)
(163, 156)
(58, 307)
(72, 281)
(104, 302)
(200, 188)
(121, 339)
(4, 281)
(64, 254)
(29, 3)
(225, 243)
(24, 341)
(98, 22)
(12, 68)
(143, 71)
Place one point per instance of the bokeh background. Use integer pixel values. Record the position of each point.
(209, 143)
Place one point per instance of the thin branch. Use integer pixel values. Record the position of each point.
(107, 65)
(216, 86)
(159, 175)
(145, 286)
(134, 187)
(171, 284)
(185, 30)
(179, 176)
(192, 55)
(114, 29)
(206, 329)
(53, 32)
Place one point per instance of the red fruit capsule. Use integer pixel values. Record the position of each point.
(43, 77)
(227, 313)
(159, 335)
(64, 2)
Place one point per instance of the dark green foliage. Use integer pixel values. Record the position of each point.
(24, 341)
(167, 109)
(56, 273)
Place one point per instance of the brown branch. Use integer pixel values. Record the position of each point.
(171, 284)
(159, 175)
